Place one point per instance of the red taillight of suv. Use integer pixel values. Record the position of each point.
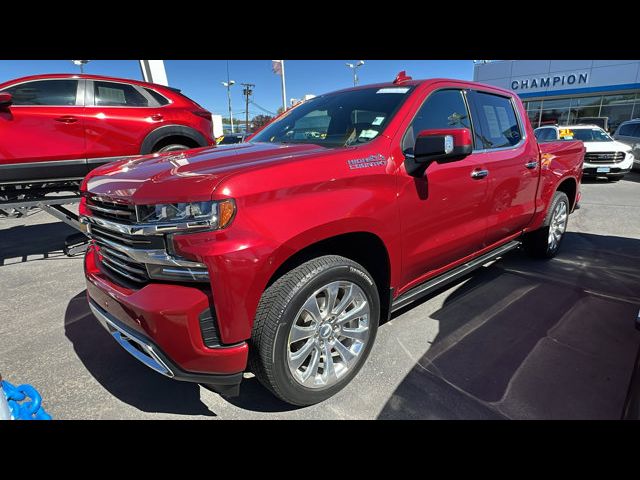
(203, 113)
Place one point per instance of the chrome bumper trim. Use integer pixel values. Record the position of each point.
(148, 356)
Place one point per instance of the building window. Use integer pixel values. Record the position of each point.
(618, 108)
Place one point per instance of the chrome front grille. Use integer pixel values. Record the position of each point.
(102, 207)
(135, 260)
(115, 248)
(604, 157)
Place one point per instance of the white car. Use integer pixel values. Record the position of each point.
(605, 157)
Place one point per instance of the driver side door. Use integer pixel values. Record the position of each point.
(442, 213)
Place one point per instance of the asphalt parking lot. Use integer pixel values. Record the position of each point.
(519, 339)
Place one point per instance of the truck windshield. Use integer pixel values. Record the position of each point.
(591, 135)
(337, 119)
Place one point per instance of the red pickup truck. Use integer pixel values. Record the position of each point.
(282, 255)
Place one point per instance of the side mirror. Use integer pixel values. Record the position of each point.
(5, 100)
(441, 145)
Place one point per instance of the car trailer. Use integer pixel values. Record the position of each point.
(74, 244)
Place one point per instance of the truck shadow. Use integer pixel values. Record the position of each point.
(45, 240)
(529, 339)
(632, 177)
(120, 374)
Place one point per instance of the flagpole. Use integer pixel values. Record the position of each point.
(284, 88)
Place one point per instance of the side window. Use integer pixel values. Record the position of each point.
(545, 134)
(109, 94)
(497, 121)
(636, 131)
(158, 97)
(624, 130)
(441, 109)
(44, 92)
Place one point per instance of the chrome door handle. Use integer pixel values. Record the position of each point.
(67, 119)
(531, 165)
(479, 173)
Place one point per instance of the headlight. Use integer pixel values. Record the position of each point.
(217, 214)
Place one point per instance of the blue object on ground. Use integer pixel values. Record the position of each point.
(25, 403)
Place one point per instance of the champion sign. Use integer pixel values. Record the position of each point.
(547, 82)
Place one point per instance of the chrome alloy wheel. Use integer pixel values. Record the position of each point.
(328, 334)
(558, 225)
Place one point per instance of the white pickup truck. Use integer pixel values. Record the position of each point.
(605, 156)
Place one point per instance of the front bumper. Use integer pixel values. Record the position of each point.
(147, 352)
(593, 172)
(590, 169)
(159, 324)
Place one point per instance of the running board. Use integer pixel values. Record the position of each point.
(451, 275)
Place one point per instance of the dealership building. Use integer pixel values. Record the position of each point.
(563, 91)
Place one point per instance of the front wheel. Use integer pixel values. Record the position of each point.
(545, 242)
(314, 329)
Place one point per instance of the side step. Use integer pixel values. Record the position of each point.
(451, 275)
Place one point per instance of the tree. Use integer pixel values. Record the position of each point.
(260, 120)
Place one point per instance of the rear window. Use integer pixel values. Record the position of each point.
(162, 100)
(111, 94)
(545, 134)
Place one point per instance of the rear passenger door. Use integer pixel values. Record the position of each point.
(442, 212)
(511, 160)
(117, 117)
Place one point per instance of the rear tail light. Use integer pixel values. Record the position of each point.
(203, 113)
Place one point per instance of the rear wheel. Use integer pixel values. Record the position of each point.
(545, 242)
(174, 147)
(314, 329)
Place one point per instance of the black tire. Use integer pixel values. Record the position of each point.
(173, 147)
(537, 243)
(277, 311)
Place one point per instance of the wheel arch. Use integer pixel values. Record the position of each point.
(172, 131)
(362, 246)
(570, 187)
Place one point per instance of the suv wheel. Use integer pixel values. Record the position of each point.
(314, 329)
(174, 147)
(545, 242)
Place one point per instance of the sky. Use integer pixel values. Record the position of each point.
(200, 79)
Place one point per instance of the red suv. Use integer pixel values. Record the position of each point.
(61, 126)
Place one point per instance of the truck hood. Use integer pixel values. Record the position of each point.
(188, 176)
(614, 146)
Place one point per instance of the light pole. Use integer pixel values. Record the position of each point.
(355, 70)
(81, 64)
(247, 90)
(228, 86)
